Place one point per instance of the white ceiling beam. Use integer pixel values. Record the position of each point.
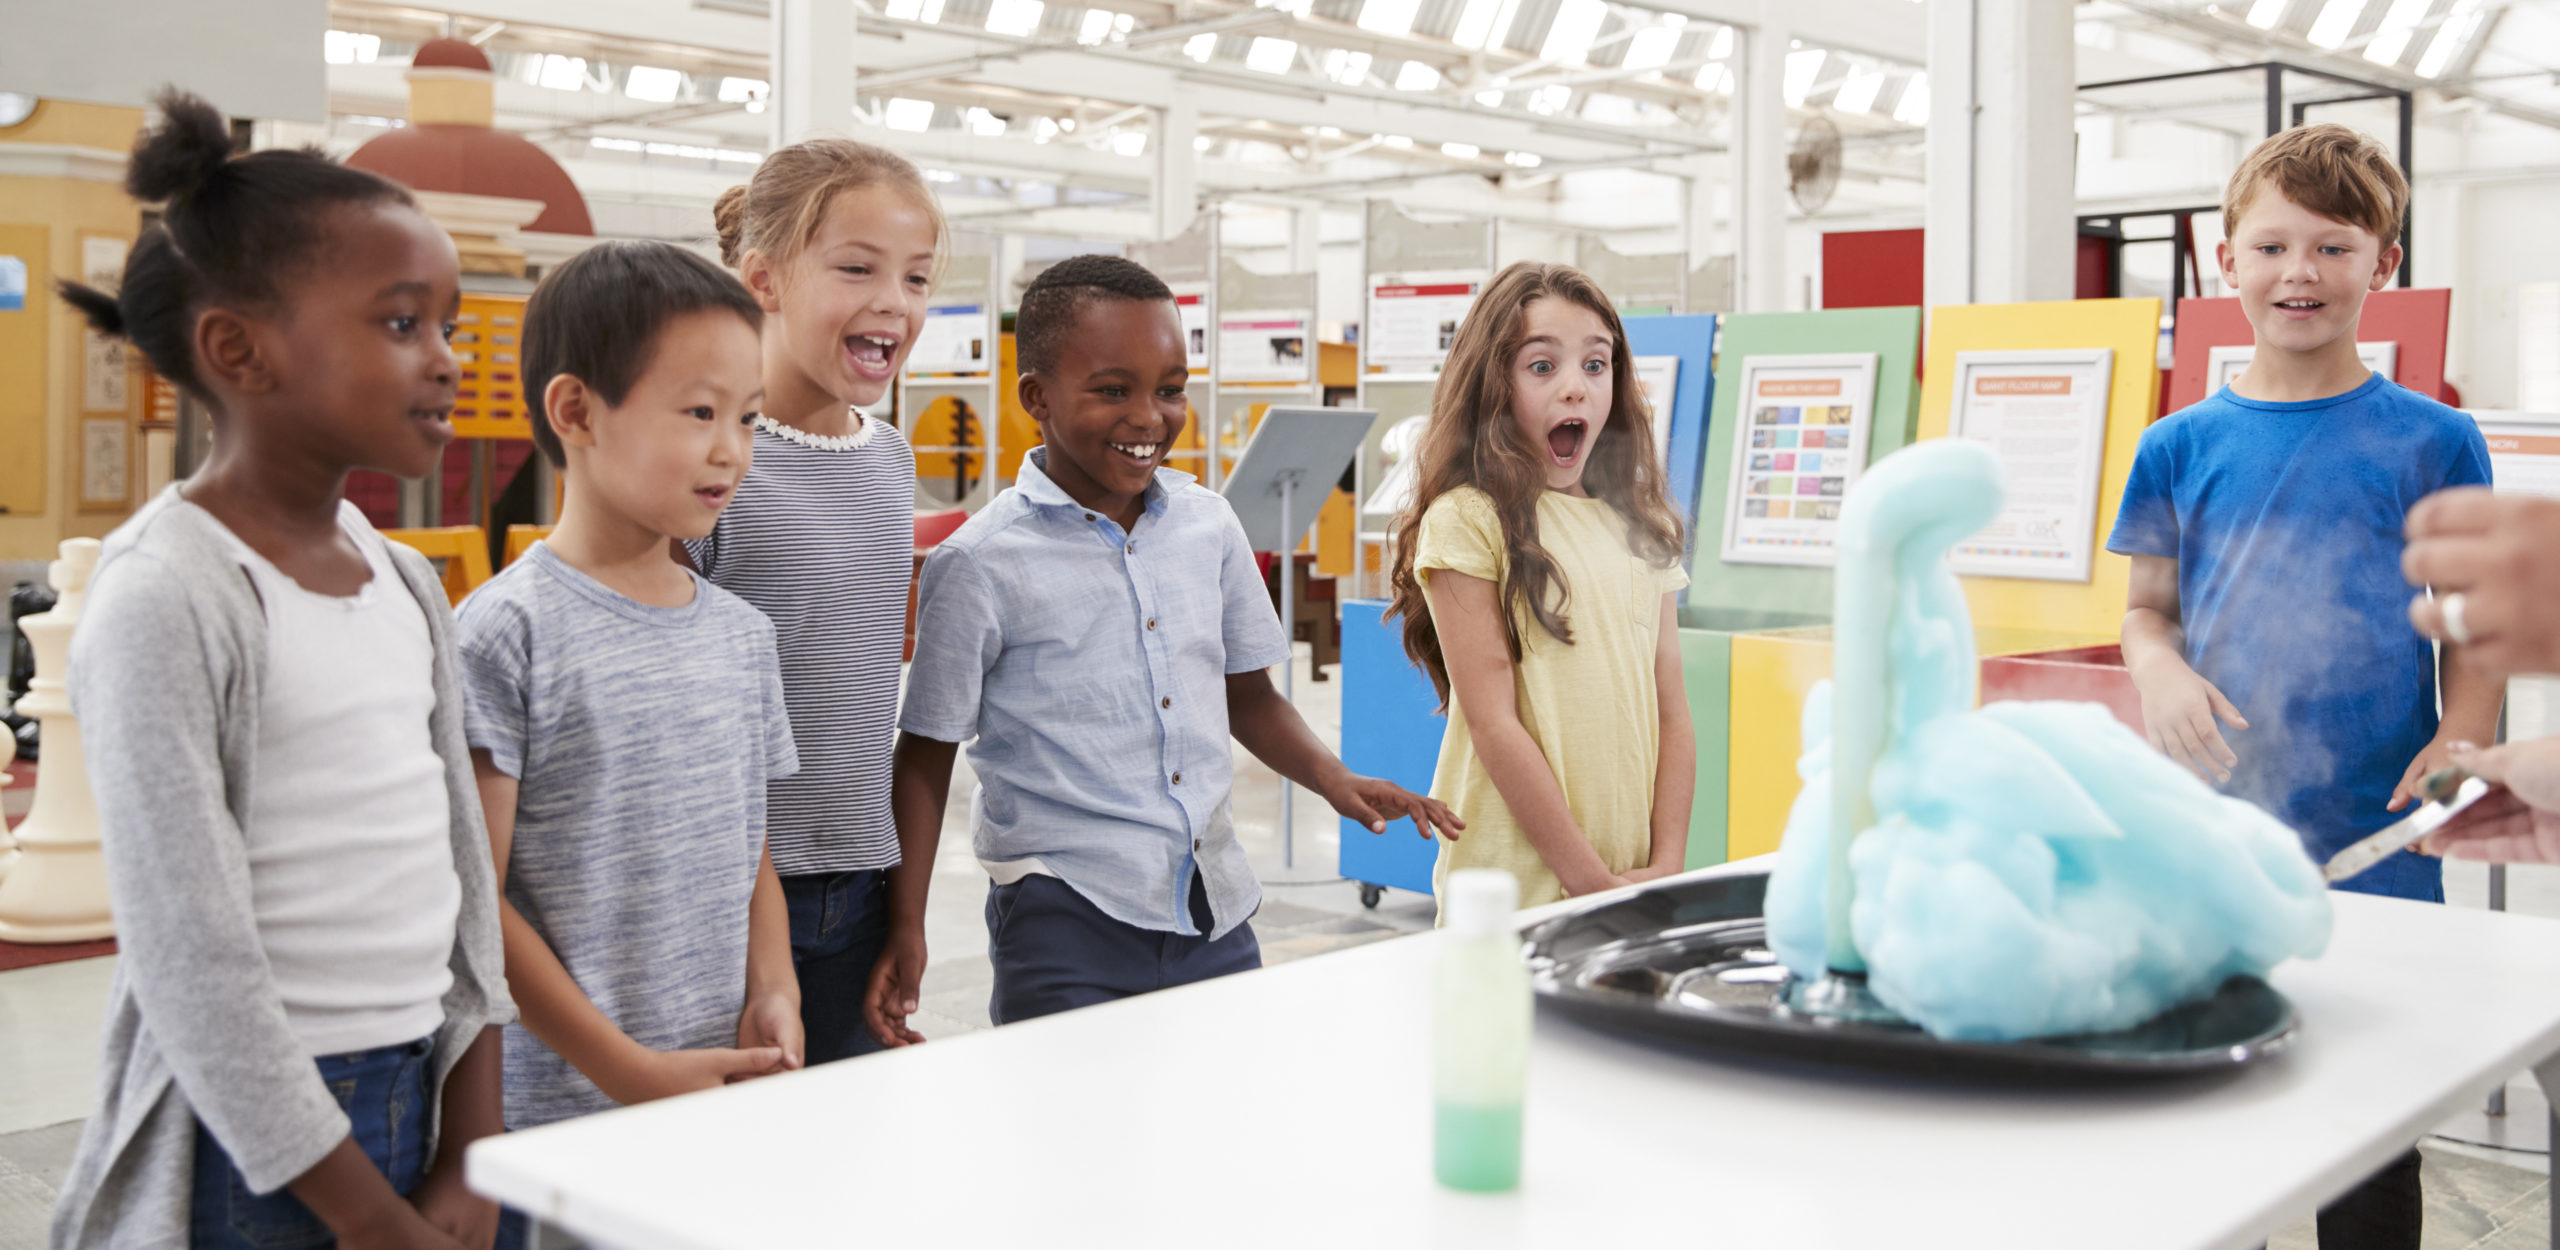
(1885, 29)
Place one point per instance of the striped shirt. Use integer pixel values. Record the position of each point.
(823, 542)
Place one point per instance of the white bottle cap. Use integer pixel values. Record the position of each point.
(1481, 901)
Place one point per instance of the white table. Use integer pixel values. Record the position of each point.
(1291, 1107)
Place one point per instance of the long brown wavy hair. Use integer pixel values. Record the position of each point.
(1472, 440)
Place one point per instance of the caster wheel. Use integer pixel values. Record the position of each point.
(1370, 894)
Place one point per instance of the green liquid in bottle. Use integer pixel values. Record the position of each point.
(1476, 1148)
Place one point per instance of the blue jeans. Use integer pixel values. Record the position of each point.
(839, 923)
(388, 1100)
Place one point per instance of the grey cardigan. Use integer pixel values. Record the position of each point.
(165, 673)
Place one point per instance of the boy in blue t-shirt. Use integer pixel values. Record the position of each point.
(2265, 528)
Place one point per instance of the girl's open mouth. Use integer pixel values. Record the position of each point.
(1564, 442)
(872, 355)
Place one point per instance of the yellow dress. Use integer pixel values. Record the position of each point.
(1590, 706)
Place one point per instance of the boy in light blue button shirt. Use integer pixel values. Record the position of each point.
(1097, 633)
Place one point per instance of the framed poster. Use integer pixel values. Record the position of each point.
(2228, 361)
(2044, 413)
(1190, 301)
(2524, 452)
(1414, 317)
(954, 340)
(106, 455)
(1658, 378)
(13, 284)
(1266, 345)
(104, 372)
(1802, 440)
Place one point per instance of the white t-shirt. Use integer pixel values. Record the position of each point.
(350, 851)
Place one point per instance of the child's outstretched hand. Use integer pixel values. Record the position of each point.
(1374, 801)
(2178, 710)
(659, 1074)
(771, 1024)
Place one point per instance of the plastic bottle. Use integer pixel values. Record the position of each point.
(1480, 1013)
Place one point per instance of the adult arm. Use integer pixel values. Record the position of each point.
(2179, 706)
(554, 1009)
(919, 791)
(1675, 778)
(1465, 611)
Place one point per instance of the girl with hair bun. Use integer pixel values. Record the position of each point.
(303, 1033)
(840, 243)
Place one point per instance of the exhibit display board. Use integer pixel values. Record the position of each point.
(1804, 441)
(2412, 319)
(2524, 451)
(1191, 302)
(1266, 345)
(956, 341)
(1414, 317)
(2225, 364)
(2089, 603)
(1890, 337)
(2044, 413)
(1675, 364)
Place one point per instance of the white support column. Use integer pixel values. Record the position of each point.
(2001, 197)
(812, 68)
(1306, 236)
(1175, 180)
(1760, 161)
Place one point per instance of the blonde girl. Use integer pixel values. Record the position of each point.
(1537, 573)
(840, 242)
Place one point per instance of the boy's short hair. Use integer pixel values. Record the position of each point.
(1053, 301)
(596, 318)
(2329, 169)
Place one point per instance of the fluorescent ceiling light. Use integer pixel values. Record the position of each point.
(1525, 160)
(1550, 99)
(340, 47)
(2451, 34)
(1475, 23)
(564, 73)
(1914, 108)
(1096, 27)
(1044, 129)
(1271, 56)
(1490, 98)
(982, 122)
(1202, 143)
(1200, 46)
(1130, 143)
(905, 10)
(2337, 20)
(902, 113)
(2399, 23)
(1346, 67)
(1388, 17)
(744, 90)
(1416, 76)
(1014, 17)
(1858, 93)
(1803, 69)
(1569, 36)
(1722, 47)
(1396, 141)
(1463, 151)
(1651, 47)
(2266, 13)
(649, 82)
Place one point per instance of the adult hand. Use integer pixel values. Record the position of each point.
(2501, 553)
(1375, 801)
(2178, 710)
(2516, 824)
(897, 984)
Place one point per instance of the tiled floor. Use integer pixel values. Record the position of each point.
(2477, 1198)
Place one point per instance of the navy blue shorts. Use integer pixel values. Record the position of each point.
(1055, 951)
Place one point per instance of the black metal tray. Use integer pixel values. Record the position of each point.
(1687, 963)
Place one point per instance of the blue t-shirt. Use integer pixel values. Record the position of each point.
(2285, 521)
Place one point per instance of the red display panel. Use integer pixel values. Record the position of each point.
(2415, 318)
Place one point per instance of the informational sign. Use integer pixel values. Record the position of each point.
(1193, 306)
(954, 341)
(13, 284)
(104, 461)
(103, 368)
(1412, 321)
(2044, 413)
(1266, 345)
(2228, 362)
(2524, 452)
(1659, 378)
(1800, 445)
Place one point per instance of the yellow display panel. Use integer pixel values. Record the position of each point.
(941, 425)
(488, 341)
(2129, 327)
(1016, 432)
(25, 344)
(1772, 672)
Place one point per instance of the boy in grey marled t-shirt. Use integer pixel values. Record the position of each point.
(641, 739)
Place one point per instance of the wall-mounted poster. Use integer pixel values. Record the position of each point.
(1658, 377)
(1414, 318)
(2044, 413)
(1266, 345)
(954, 341)
(13, 284)
(2524, 451)
(105, 461)
(1801, 443)
(103, 368)
(1191, 303)
(2227, 362)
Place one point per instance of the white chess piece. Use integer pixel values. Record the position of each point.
(56, 890)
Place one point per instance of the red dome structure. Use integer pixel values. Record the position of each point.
(435, 152)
